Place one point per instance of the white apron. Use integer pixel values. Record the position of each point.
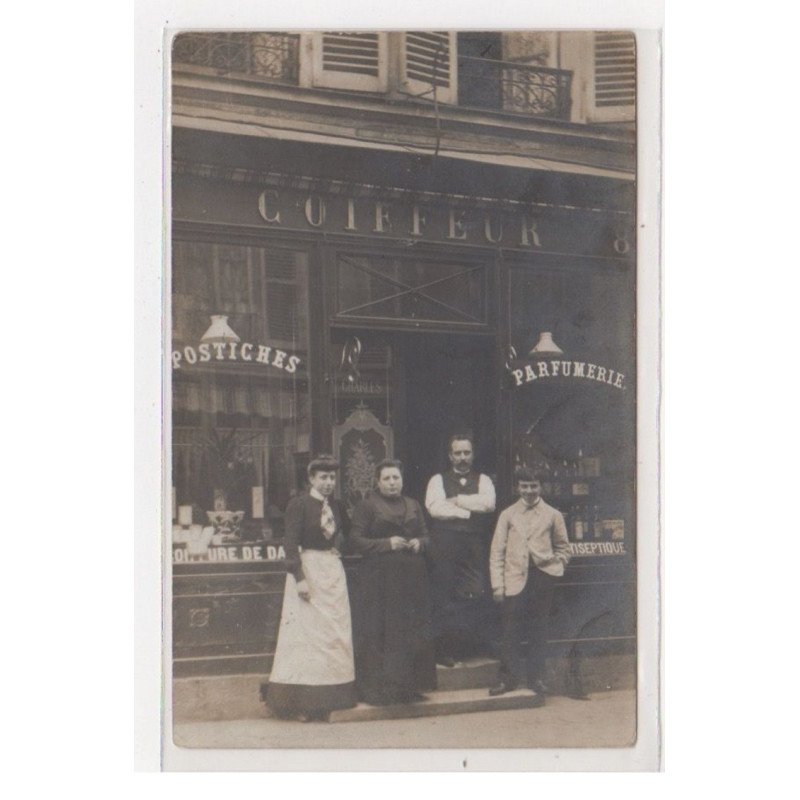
(315, 639)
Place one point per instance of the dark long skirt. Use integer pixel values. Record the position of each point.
(394, 636)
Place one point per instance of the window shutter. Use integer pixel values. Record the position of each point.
(614, 76)
(428, 61)
(354, 61)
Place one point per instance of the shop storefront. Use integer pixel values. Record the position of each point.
(371, 307)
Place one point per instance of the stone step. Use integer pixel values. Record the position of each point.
(460, 701)
(228, 697)
(473, 673)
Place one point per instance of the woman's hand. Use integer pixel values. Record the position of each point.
(303, 590)
(415, 545)
(397, 543)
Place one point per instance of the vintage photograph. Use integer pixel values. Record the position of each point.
(402, 441)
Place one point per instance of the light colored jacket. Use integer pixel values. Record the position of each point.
(523, 533)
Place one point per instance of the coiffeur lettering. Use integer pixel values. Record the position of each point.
(382, 216)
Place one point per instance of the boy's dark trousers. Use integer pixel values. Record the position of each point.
(525, 616)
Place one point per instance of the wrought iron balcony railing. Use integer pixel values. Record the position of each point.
(483, 83)
(514, 87)
(274, 56)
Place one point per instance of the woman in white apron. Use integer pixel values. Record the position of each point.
(312, 672)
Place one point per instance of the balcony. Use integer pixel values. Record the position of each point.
(514, 87)
(270, 56)
(501, 86)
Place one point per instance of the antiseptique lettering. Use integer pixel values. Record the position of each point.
(416, 221)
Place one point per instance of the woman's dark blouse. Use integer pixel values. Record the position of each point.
(377, 518)
(303, 529)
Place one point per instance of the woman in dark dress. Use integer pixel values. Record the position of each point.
(395, 655)
(313, 671)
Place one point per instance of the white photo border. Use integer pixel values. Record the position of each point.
(155, 26)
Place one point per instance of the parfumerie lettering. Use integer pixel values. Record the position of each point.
(567, 369)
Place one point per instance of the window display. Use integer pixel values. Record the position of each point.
(573, 397)
(240, 402)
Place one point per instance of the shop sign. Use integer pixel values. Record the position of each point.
(557, 368)
(449, 219)
(221, 343)
(284, 203)
(235, 351)
(597, 549)
(361, 388)
(441, 220)
(227, 352)
(227, 553)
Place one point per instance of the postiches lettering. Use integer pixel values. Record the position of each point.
(216, 351)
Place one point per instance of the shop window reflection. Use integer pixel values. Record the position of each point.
(241, 419)
(577, 432)
(411, 290)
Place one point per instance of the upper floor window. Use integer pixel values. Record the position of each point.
(348, 60)
(613, 84)
(504, 72)
(360, 61)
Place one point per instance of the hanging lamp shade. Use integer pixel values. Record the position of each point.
(219, 331)
(546, 346)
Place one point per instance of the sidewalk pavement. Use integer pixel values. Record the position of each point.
(608, 719)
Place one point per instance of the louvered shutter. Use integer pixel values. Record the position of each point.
(428, 61)
(355, 61)
(614, 76)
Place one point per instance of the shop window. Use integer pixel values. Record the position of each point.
(240, 400)
(480, 83)
(260, 290)
(410, 291)
(573, 411)
(360, 62)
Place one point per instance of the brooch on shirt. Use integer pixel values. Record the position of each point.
(462, 481)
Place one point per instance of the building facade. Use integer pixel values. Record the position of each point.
(379, 239)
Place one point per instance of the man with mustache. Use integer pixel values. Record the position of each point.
(461, 503)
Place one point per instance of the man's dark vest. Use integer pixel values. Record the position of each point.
(452, 487)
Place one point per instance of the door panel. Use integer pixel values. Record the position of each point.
(448, 390)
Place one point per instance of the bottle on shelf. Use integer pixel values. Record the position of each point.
(555, 475)
(597, 523)
(547, 486)
(578, 525)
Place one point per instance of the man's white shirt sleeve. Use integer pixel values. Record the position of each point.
(439, 507)
(484, 501)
